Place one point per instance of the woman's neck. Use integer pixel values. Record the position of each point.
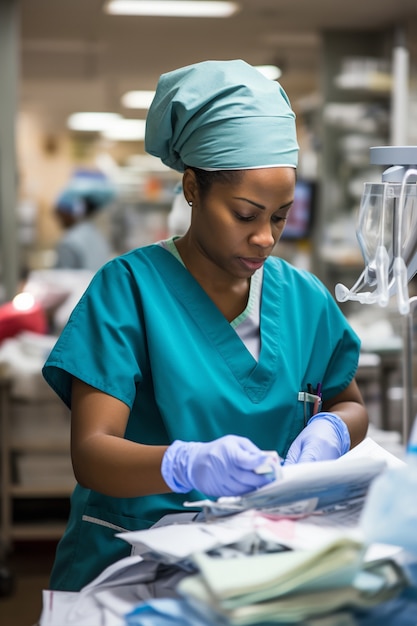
(229, 294)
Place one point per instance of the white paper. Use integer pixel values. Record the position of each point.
(309, 486)
(178, 541)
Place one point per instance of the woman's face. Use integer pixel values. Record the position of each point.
(236, 226)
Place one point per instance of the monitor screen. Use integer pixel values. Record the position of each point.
(300, 217)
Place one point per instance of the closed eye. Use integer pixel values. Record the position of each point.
(244, 218)
(276, 219)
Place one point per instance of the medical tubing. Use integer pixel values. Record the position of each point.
(340, 427)
(400, 268)
(401, 278)
(411, 452)
(382, 270)
(343, 293)
(410, 172)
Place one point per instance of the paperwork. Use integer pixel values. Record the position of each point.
(239, 566)
(291, 586)
(309, 487)
(109, 597)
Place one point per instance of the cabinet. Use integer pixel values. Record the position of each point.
(36, 473)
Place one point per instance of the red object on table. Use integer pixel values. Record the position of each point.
(14, 321)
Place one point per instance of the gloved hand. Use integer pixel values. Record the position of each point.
(223, 467)
(325, 437)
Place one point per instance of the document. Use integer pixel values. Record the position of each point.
(292, 586)
(309, 487)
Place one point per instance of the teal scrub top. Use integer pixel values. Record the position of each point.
(146, 333)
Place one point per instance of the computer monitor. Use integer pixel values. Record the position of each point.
(300, 217)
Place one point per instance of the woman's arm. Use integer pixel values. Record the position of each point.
(349, 406)
(102, 459)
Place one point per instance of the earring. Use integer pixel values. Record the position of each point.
(190, 202)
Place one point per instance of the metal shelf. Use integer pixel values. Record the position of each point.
(16, 499)
(33, 491)
(41, 530)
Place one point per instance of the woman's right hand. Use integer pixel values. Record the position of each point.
(223, 467)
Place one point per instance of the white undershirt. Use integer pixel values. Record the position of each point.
(247, 323)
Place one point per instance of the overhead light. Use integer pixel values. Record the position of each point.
(171, 8)
(91, 122)
(269, 71)
(125, 130)
(138, 99)
(142, 99)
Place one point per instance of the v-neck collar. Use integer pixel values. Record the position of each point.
(254, 288)
(255, 377)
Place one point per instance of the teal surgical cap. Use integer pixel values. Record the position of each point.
(85, 185)
(221, 115)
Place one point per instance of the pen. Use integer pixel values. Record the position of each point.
(317, 402)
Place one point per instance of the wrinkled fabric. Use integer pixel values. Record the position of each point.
(221, 115)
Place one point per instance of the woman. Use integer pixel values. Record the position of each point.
(187, 359)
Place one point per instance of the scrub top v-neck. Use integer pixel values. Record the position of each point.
(146, 333)
(247, 323)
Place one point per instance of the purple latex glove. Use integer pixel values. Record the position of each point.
(223, 467)
(325, 437)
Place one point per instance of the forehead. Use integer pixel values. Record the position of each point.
(275, 181)
(269, 175)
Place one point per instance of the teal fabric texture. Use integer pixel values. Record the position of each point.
(221, 115)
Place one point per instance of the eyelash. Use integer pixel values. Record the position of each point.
(242, 218)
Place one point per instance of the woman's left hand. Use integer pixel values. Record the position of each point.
(325, 437)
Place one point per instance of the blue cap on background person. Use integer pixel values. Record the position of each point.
(221, 115)
(87, 191)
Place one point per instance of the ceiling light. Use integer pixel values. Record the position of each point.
(171, 8)
(91, 122)
(269, 71)
(138, 99)
(125, 130)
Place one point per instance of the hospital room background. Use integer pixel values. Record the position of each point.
(75, 84)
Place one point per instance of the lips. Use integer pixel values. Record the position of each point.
(252, 264)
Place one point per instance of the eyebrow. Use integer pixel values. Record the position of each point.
(261, 206)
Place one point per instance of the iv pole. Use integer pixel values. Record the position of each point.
(399, 120)
(407, 370)
(402, 160)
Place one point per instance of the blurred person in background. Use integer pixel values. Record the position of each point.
(83, 244)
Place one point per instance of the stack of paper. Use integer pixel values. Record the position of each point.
(290, 586)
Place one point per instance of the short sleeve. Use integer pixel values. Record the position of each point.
(102, 343)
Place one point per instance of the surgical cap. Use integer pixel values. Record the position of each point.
(85, 186)
(221, 115)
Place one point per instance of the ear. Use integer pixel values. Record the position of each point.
(190, 187)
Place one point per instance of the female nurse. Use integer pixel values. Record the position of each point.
(187, 359)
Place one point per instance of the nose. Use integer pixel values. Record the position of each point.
(262, 235)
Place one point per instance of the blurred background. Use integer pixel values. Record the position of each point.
(60, 59)
(350, 70)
